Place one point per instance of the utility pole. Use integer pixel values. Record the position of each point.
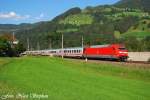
(13, 37)
(82, 42)
(50, 44)
(62, 45)
(38, 46)
(28, 45)
(12, 41)
(83, 49)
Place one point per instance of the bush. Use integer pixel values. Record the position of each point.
(149, 60)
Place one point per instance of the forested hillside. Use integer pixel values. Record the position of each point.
(137, 4)
(126, 22)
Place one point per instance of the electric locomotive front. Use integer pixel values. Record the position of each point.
(121, 52)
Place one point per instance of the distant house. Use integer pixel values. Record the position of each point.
(15, 42)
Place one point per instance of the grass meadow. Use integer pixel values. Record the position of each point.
(72, 79)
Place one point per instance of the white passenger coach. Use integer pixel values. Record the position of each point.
(67, 52)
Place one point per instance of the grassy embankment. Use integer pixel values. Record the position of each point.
(73, 80)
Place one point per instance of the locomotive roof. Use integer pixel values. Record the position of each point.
(95, 46)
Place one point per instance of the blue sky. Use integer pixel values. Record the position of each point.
(30, 11)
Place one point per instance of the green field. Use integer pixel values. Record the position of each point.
(73, 79)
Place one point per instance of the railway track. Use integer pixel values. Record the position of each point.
(133, 64)
(136, 64)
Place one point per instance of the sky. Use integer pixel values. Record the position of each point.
(31, 11)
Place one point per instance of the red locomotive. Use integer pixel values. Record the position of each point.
(111, 51)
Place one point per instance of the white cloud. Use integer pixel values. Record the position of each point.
(40, 16)
(13, 15)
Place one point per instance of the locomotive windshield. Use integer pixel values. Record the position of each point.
(122, 48)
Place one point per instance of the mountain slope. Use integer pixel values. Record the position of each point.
(96, 24)
(138, 4)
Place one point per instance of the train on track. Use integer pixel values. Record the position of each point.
(110, 51)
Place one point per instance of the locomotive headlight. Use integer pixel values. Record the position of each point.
(123, 52)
